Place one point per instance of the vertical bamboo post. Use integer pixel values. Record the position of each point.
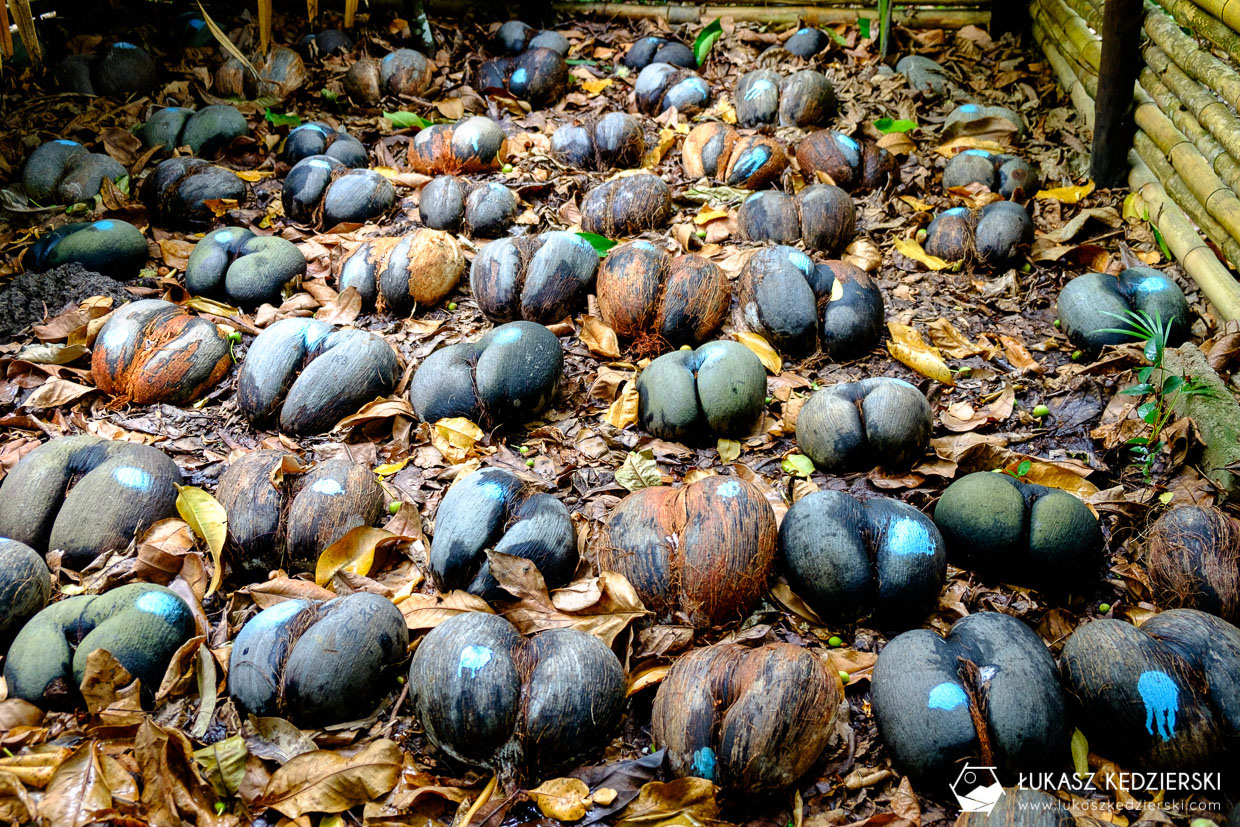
(1119, 65)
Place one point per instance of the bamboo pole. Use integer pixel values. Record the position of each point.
(1222, 163)
(910, 17)
(1198, 64)
(1091, 14)
(1209, 111)
(24, 19)
(1087, 44)
(1220, 202)
(1080, 96)
(1083, 71)
(1226, 11)
(1183, 196)
(1205, 25)
(1198, 260)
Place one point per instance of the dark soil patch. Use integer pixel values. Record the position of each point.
(32, 297)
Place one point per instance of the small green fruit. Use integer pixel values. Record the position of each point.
(529, 463)
(394, 506)
(1057, 323)
(701, 234)
(235, 336)
(921, 236)
(452, 305)
(1041, 411)
(1026, 267)
(506, 168)
(769, 400)
(835, 641)
(844, 676)
(965, 372)
(1076, 354)
(686, 347)
(1103, 608)
(525, 449)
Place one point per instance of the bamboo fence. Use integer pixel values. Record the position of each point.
(1186, 153)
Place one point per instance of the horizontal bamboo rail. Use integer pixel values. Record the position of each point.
(1206, 25)
(1224, 164)
(1211, 113)
(912, 17)
(1080, 96)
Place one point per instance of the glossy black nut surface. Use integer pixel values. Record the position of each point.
(494, 509)
(539, 279)
(1019, 532)
(179, 187)
(776, 296)
(342, 371)
(318, 664)
(319, 138)
(757, 98)
(305, 185)
(487, 697)
(853, 425)
(120, 488)
(163, 128)
(928, 703)
(334, 498)
(357, 197)
(25, 586)
(828, 217)
(109, 246)
(717, 390)
(256, 507)
(1160, 697)
(441, 204)
(1086, 305)
(490, 209)
(212, 128)
(853, 315)
(850, 559)
(806, 98)
(1002, 229)
(770, 216)
(618, 141)
(511, 373)
(405, 72)
(807, 42)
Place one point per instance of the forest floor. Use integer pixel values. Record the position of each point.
(994, 330)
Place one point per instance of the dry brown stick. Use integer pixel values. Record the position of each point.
(1196, 257)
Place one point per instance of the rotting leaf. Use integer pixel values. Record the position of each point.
(639, 471)
(327, 782)
(690, 800)
(207, 519)
(599, 338)
(426, 611)
(623, 410)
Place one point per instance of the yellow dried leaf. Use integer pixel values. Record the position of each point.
(208, 519)
(623, 411)
(454, 437)
(1068, 195)
(642, 678)
(593, 87)
(564, 799)
(917, 204)
(667, 139)
(909, 348)
(255, 175)
(452, 108)
(354, 552)
(909, 248)
(391, 468)
(708, 214)
(729, 450)
(767, 355)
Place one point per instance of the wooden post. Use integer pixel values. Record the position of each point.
(1120, 64)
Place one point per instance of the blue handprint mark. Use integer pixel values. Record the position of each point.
(1162, 698)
